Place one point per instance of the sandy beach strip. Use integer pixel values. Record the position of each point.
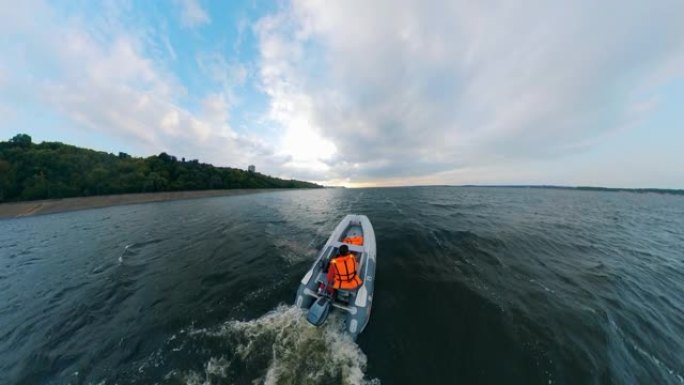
(50, 206)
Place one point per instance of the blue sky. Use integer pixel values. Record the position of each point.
(357, 93)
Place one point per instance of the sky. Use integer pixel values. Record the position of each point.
(359, 93)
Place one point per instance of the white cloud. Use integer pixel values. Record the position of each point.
(215, 66)
(408, 89)
(169, 48)
(192, 13)
(102, 78)
(301, 142)
(115, 89)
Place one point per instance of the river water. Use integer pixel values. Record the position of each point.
(473, 285)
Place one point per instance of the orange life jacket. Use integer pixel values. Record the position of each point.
(356, 240)
(345, 272)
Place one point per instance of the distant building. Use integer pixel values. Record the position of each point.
(251, 168)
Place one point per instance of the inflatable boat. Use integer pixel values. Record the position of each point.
(314, 293)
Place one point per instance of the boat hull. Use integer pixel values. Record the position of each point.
(354, 304)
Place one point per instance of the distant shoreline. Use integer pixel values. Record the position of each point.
(667, 191)
(587, 188)
(52, 206)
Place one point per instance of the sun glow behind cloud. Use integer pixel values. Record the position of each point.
(306, 147)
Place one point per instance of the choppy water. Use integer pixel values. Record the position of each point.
(474, 285)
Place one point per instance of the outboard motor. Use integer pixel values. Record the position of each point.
(318, 312)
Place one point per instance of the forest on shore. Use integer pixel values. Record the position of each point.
(48, 170)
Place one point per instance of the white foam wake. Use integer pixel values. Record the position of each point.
(281, 347)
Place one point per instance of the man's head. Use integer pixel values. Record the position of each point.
(344, 250)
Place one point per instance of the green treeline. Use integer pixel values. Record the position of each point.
(55, 170)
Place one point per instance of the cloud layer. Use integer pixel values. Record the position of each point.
(108, 76)
(353, 92)
(192, 14)
(406, 89)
